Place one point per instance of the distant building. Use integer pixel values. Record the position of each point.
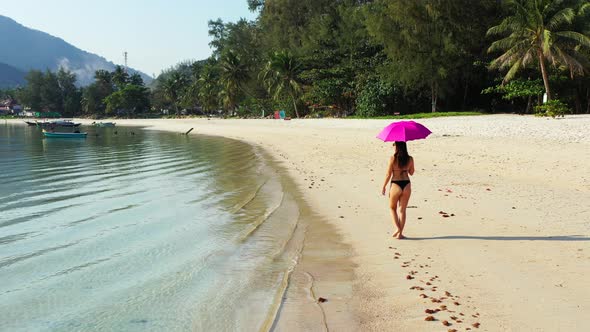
(9, 106)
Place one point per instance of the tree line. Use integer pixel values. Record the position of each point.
(382, 57)
(111, 94)
(372, 58)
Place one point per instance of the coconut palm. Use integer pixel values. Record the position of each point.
(120, 77)
(234, 73)
(537, 32)
(173, 87)
(208, 91)
(281, 75)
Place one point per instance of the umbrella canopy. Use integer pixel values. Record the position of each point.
(403, 131)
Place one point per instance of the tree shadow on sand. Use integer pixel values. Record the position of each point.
(565, 238)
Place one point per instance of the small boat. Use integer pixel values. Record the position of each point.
(63, 134)
(104, 124)
(65, 123)
(30, 123)
(58, 123)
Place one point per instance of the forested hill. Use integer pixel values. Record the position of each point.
(25, 49)
(10, 76)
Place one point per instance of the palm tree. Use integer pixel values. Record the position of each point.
(537, 31)
(281, 75)
(173, 87)
(120, 77)
(233, 75)
(208, 89)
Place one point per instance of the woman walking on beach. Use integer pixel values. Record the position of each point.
(401, 166)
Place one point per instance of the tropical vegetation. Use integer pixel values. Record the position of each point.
(360, 58)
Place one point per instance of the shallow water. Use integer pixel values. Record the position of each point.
(136, 230)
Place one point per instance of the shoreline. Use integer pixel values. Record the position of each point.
(513, 256)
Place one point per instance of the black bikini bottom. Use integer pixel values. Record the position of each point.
(401, 183)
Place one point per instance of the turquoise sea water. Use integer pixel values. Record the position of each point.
(135, 230)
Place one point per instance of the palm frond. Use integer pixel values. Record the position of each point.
(577, 37)
(564, 16)
(584, 9)
(574, 66)
(546, 42)
(512, 72)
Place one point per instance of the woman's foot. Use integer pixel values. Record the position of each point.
(395, 234)
(400, 237)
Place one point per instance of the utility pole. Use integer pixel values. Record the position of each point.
(125, 55)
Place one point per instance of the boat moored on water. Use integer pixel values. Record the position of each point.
(57, 123)
(31, 123)
(57, 134)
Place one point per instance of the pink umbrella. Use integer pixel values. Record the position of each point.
(403, 131)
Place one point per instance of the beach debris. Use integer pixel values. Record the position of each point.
(443, 307)
(456, 303)
(430, 311)
(322, 300)
(446, 323)
(445, 215)
(395, 257)
(424, 296)
(409, 277)
(429, 318)
(451, 330)
(428, 284)
(433, 300)
(488, 189)
(397, 254)
(419, 218)
(476, 325)
(453, 317)
(461, 314)
(447, 293)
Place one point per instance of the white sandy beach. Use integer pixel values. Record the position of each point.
(514, 254)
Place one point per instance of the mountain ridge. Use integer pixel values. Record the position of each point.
(10, 76)
(25, 48)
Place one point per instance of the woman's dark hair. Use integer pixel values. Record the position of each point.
(401, 155)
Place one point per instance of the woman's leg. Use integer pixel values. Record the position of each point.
(394, 195)
(403, 205)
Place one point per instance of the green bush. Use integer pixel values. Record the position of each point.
(372, 99)
(553, 108)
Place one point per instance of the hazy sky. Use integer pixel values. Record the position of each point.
(156, 33)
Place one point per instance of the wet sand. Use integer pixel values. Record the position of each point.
(513, 252)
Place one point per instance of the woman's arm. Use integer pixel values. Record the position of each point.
(411, 169)
(387, 176)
